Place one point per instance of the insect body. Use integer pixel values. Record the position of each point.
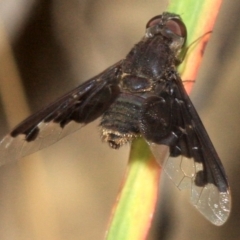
(141, 95)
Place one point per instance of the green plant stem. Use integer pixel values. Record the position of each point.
(135, 206)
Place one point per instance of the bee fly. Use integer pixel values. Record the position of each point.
(141, 95)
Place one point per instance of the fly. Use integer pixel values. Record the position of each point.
(141, 95)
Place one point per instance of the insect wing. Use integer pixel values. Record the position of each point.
(198, 167)
(67, 114)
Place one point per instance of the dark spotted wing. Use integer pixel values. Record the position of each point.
(188, 156)
(67, 114)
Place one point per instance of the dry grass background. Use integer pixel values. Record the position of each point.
(66, 191)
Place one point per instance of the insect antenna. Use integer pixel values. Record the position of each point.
(185, 51)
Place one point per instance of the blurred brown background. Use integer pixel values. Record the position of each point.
(67, 190)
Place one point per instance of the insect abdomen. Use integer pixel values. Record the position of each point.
(120, 122)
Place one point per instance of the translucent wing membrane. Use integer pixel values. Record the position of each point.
(188, 155)
(78, 107)
(208, 200)
(13, 148)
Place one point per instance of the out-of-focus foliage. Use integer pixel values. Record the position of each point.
(68, 194)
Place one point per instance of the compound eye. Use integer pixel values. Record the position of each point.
(154, 21)
(177, 27)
